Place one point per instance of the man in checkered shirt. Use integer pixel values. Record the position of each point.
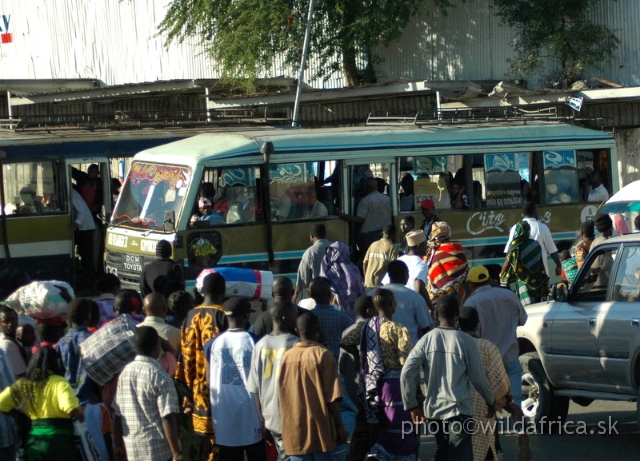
(146, 406)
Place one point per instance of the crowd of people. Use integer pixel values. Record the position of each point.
(373, 355)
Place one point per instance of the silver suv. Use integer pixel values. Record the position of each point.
(585, 343)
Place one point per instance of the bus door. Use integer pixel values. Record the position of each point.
(225, 221)
(36, 219)
(358, 174)
(91, 179)
(301, 195)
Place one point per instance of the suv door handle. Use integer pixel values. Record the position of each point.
(635, 322)
(592, 321)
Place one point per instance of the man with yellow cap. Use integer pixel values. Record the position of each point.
(500, 313)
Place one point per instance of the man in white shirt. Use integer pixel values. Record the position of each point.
(598, 192)
(417, 249)
(236, 418)
(83, 226)
(411, 309)
(154, 307)
(540, 233)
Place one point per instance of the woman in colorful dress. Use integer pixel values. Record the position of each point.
(49, 401)
(385, 346)
(524, 262)
(447, 264)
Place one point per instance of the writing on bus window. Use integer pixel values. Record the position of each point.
(156, 174)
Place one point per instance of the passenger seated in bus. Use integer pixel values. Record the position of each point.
(208, 216)
(243, 209)
(458, 196)
(49, 202)
(282, 207)
(407, 199)
(29, 203)
(248, 205)
(315, 207)
(598, 192)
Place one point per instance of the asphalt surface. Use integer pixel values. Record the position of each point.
(601, 431)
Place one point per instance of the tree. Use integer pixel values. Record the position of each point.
(561, 28)
(246, 38)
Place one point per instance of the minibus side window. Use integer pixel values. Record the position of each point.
(229, 195)
(561, 184)
(588, 162)
(303, 190)
(507, 179)
(441, 178)
(32, 189)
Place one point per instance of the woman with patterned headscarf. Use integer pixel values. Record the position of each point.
(447, 264)
(524, 261)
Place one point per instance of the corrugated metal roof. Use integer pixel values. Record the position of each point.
(115, 42)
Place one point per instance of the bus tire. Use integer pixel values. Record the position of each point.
(540, 405)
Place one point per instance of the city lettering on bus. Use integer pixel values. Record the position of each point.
(249, 199)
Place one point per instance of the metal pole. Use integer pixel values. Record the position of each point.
(303, 63)
(10, 110)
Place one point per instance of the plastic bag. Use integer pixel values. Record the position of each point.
(42, 300)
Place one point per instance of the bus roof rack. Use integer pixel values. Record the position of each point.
(494, 114)
(391, 117)
(125, 120)
(461, 116)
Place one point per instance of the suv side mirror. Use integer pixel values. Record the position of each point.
(559, 292)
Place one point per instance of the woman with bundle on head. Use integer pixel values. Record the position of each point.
(447, 265)
(385, 345)
(524, 262)
(49, 401)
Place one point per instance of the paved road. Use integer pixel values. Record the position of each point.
(623, 446)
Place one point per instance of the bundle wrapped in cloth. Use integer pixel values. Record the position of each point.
(106, 352)
(248, 283)
(42, 300)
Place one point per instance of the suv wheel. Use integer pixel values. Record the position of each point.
(538, 398)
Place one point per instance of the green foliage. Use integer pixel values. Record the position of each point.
(560, 28)
(246, 38)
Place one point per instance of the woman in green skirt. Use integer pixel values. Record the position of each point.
(48, 400)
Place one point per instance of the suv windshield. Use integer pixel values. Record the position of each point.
(150, 191)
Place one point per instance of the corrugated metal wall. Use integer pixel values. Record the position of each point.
(115, 41)
(466, 44)
(470, 43)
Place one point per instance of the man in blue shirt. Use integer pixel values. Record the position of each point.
(332, 321)
(68, 348)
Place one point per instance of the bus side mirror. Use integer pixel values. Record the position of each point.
(559, 292)
(169, 224)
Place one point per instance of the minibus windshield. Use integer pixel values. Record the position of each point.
(150, 191)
